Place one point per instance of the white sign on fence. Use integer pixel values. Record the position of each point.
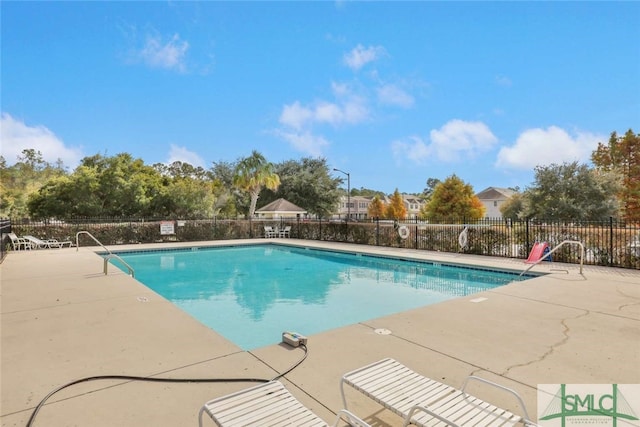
(167, 227)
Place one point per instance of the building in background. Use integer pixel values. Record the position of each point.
(492, 198)
(358, 210)
(280, 208)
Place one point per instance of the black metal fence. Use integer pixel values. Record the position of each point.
(607, 243)
(5, 229)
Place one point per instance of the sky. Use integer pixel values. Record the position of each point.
(392, 93)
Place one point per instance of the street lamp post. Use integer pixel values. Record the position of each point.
(348, 192)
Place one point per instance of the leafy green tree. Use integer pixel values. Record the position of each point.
(252, 174)
(24, 178)
(188, 197)
(571, 191)
(514, 207)
(366, 192)
(228, 199)
(432, 183)
(622, 156)
(306, 183)
(453, 198)
(186, 192)
(396, 208)
(376, 208)
(110, 186)
(122, 186)
(180, 169)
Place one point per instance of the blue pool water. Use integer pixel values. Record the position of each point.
(251, 294)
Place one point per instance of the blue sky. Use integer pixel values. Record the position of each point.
(392, 92)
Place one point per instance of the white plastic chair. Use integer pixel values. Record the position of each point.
(285, 232)
(269, 232)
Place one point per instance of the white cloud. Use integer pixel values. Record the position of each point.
(458, 137)
(295, 115)
(298, 122)
(360, 56)
(349, 109)
(327, 112)
(305, 142)
(455, 140)
(181, 154)
(415, 150)
(16, 136)
(541, 147)
(393, 95)
(159, 54)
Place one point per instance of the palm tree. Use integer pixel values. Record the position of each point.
(254, 173)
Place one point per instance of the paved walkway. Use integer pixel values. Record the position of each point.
(63, 320)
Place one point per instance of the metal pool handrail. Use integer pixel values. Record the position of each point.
(109, 256)
(548, 254)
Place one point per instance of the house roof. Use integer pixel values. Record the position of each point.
(281, 205)
(492, 193)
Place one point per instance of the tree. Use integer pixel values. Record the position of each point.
(514, 207)
(254, 173)
(25, 177)
(376, 208)
(111, 186)
(571, 191)
(306, 183)
(396, 208)
(366, 192)
(622, 156)
(186, 192)
(452, 198)
(123, 186)
(180, 169)
(432, 183)
(226, 202)
(186, 197)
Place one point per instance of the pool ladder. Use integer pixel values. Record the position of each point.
(110, 255)
(548, 254)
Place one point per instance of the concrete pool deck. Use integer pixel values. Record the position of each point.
(63, 320)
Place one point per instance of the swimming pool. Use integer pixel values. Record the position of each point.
(250, 294)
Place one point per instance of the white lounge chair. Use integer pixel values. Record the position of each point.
(268, 404)
(425, 402)
(19, 243)
(50, 243)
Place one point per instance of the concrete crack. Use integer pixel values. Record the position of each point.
(566, 332)
(630, 304)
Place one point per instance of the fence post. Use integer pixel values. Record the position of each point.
(377, 231)
(5, 228)
(610, 241)
(526, 237)
(346, 230)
